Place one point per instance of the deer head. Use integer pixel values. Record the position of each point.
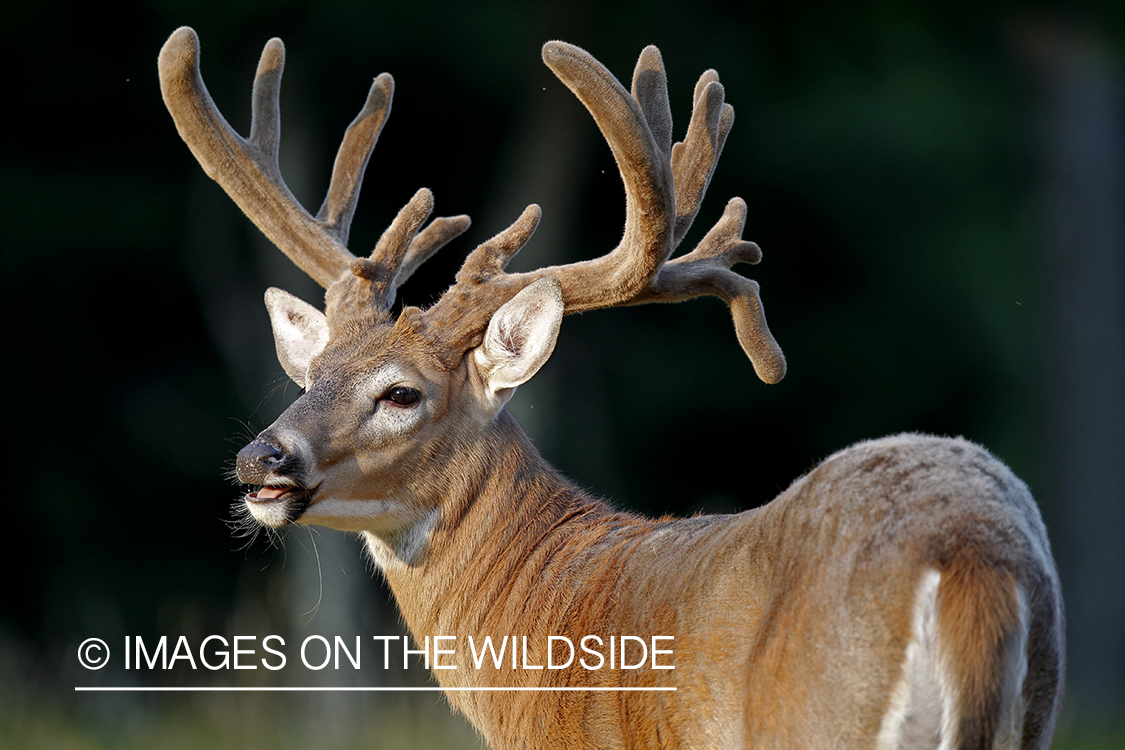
(392, 404)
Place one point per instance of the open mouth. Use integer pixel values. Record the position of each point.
(290, 499)
(269, 494)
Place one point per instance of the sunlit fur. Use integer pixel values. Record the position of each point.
(900, 594)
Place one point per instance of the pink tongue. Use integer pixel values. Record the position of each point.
(270, 493)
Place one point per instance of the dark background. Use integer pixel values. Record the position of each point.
(938, 192)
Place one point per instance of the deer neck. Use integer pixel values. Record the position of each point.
(502, 517)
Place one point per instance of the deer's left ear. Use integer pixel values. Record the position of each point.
(300, 332)
(520, 337)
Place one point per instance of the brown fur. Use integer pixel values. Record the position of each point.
(790, 621)
(978, 618)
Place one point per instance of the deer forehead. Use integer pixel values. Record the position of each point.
(374, 355)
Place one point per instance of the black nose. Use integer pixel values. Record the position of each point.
(257, 460)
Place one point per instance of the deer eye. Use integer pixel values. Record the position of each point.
(402, 395)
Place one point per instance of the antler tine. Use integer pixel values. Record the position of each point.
(265, 98)
(402, 249)
(694, 158)
(352, 158)
(650, 89)
(706, 270)
(431, 239)
(382, 267)
(486, 263)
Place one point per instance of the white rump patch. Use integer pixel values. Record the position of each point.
(923, 709)
(921, 712)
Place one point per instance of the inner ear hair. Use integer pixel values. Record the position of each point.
(521, 335)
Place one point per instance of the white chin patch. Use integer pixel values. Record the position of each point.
(273, 513)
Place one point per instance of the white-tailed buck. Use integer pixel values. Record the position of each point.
(899, 595)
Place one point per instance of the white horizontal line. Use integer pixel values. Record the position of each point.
(369, 689)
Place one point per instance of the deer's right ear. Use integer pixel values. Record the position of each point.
(520, 337)
(300, 332)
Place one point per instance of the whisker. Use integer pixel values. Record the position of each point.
(320, 578)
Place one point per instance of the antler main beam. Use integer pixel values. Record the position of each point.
(247, 168)
(664, 187)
